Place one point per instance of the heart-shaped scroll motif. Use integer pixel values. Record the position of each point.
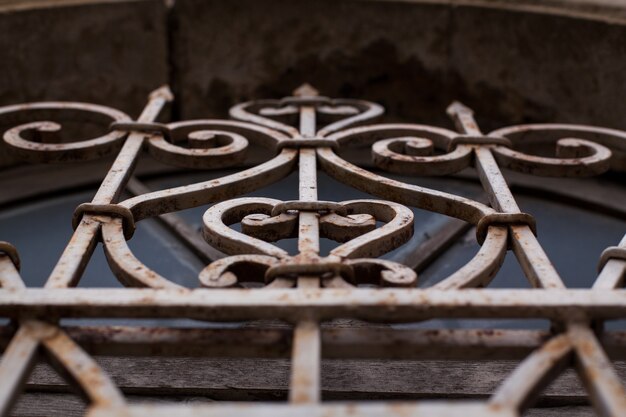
(218, 218)
(272, 113)
(257, 260)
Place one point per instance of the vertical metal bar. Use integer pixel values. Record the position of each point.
(606, 391)
(306, 355)
(19, 357)
(308, 229)
(613, 274)
(530, 254)
(519, 389)
(305, 363)
(533, 260)
(17, 362)
(9, 275)
(73, 361)
(77, 253)
(594, 367)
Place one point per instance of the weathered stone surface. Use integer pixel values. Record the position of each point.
(511, 65)
(389, 52)
(111, 53)
(534, 67)
(507, 60)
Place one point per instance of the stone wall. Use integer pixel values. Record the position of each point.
(564, 61)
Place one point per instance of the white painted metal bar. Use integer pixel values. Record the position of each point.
(381, 304)
(75, 257)
(603, 385)
(369, 409)
(17, 361)
(309, 287)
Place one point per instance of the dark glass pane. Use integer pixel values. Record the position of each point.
(573, 238)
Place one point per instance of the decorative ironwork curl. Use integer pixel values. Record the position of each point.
(581, 151)
(9, 250)
(39, 141)
(266, 220)
(349, 111)
(211, 144)
(612, 252)
(306, 288)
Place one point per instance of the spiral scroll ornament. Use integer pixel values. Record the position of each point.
(41, 140)
(247, 276)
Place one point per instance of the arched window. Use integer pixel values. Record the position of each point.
(236, 247)
(302, 235)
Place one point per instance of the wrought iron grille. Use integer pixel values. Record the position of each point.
(307, 288)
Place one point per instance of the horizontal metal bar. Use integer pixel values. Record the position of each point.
(356, 343)
(261, 379)
(423, 409)
(386, 305)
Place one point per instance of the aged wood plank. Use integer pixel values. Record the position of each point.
(567, 411)
(239, 379)
(40, 404)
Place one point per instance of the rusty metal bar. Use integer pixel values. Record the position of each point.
(181, 230)
(602, 383)
(74, 259)
(613, 272)
(534, 374)
(305, 363)
(385, 305)
(531, 256)
(70, 359)
(308, 288)
(369, 409)
(17, 362)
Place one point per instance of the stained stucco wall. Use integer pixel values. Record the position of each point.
(414, 57)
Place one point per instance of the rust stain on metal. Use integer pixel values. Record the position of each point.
(308, 287)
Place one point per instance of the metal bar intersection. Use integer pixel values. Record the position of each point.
(308, 288)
